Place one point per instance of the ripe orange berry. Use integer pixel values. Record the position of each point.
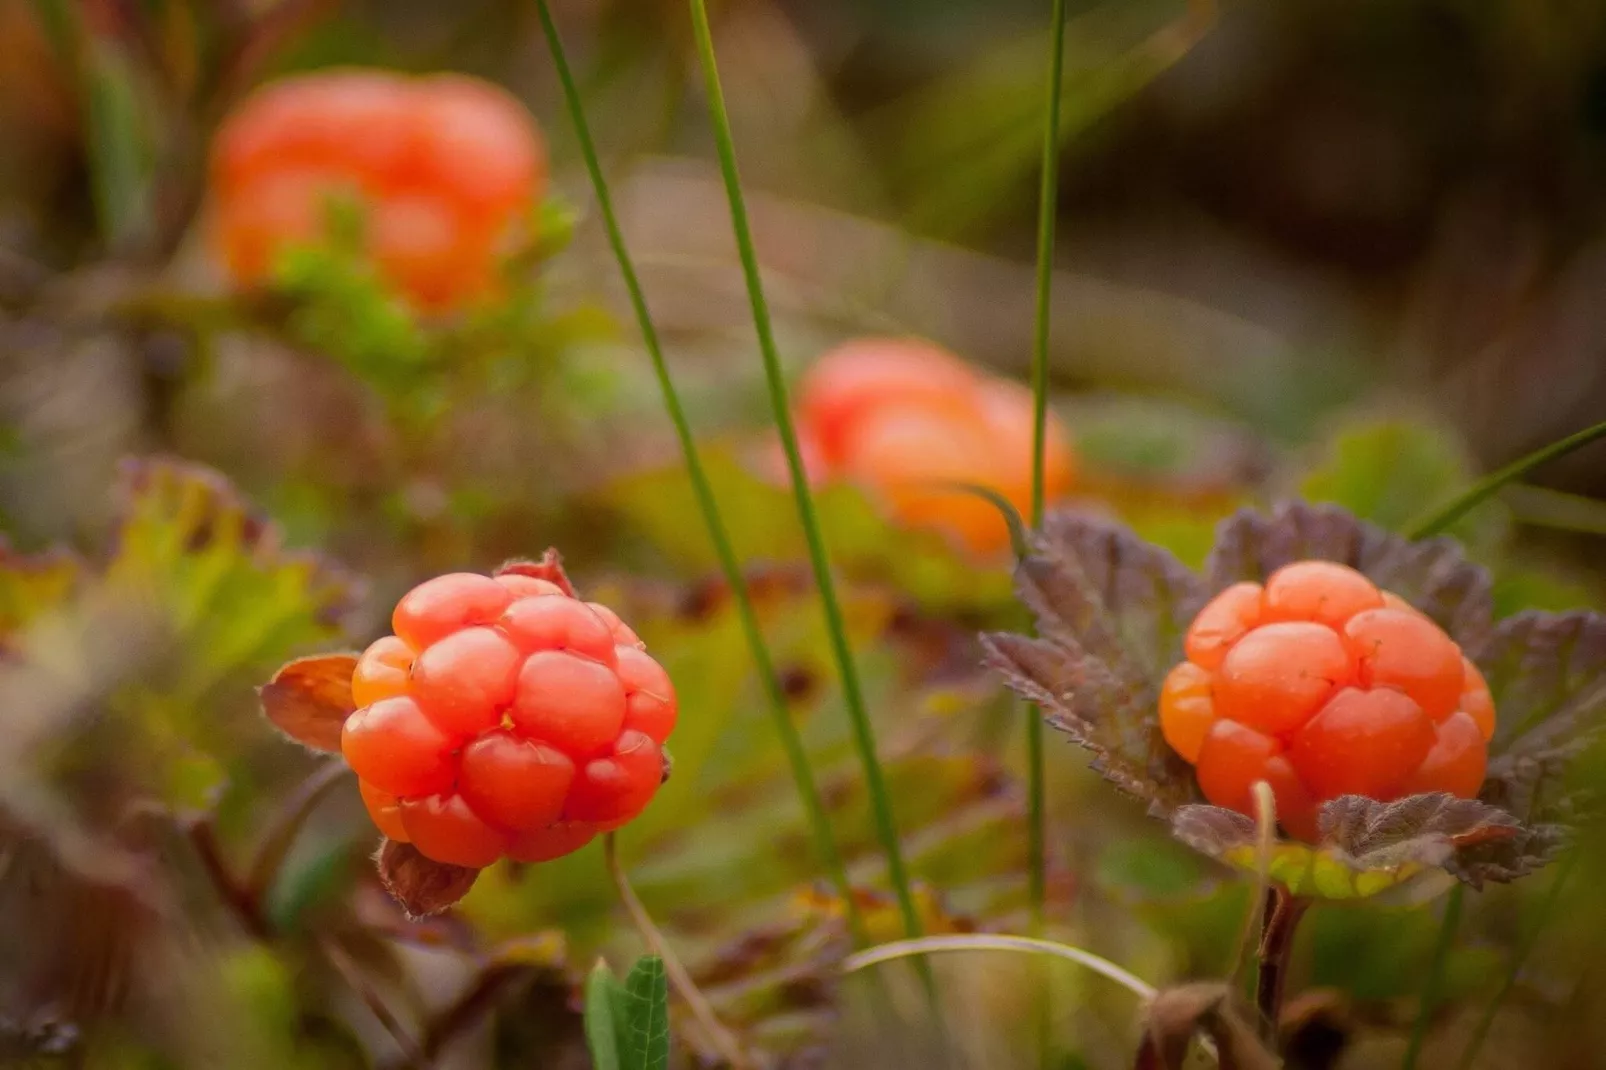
(447, 166)
(867, 374)
(1007, 411)
(382, 671)
(1277, 676)
(1186, 709)
(1408, 652)
(506, 718)
(1223, 622)
(1322, 685)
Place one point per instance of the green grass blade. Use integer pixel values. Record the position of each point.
(1435, 979)
(791, 741)
(852, 693)
(1448, 514)
(1047, 212)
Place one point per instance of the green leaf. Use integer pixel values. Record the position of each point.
(603, 1000)
(646, 1016)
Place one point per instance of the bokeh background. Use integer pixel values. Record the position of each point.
(1353, 252)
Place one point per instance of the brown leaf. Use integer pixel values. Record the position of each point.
(422, 886)
(310, 699)
(1423, 829)
(1112, 611)
(1432, 574)
(549, 568)
(1177, 1015)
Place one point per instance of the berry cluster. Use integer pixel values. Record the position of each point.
(1322, 685)
(901, 417)
(505, 718)
(445, 166)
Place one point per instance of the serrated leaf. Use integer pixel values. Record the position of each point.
(646, 1016)
(310, 699)
(1111, 610)
(1367, 846)
(1432, 574)
(422, 886)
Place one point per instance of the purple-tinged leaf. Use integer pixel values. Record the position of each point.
(1433, 574)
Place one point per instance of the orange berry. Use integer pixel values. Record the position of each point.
(559, 624)
(574, 704)
(1394, 601)
(384, 809)
(425, 249)
(1221, 623)
(1362, 743)
(444, 828)
(514, 783)
(1410, 653)
(1476, 701)
(1186, 709)
(397, 749)
(276, 210)
(1008, 414)
(382, 671)
(1456, 763)
(528, 586)
(1234, 758)
(621, 632)
(1277, 676)
(1321, 591)
(907, 455)
(438, 607)
(466, 680)
(650, 705)
(866, 374)
(610, 791)
(475, 142)
(554, 841)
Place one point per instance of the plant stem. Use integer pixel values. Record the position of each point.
(1546, 911)
(1047, 216)
(852, 693)
(998, 942)
(685, 987)
(1435, 977)
(1278, 924)
(791, 740)
(1448, 514)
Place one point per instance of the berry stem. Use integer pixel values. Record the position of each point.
(791, 740)
(1047, 216)
(1448, 514)
(1279, 921)
(852, 693)
(685, 987)
(1435, 977)
(276, 841)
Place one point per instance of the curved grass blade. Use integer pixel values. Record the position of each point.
(1445, 515)
(899, 949)
(791, 741)
(852, 692)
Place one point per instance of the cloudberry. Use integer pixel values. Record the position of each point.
(445, 166)
(1322, 685)
(903, 417)
(506, 718)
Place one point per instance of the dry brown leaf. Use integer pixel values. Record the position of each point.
(422, 886)
(549, 568)
(310, 698)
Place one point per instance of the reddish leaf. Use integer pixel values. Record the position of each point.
(1433, 574)
(422, 886)
(310, 699)
(549, 568)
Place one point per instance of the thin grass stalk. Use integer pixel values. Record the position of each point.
(1434, 984)
(852, 692)
(791, 740)
(1047, 212)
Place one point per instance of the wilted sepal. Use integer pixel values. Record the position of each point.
(422, 886)
(310, 698)
(1366, 847)
(549, 568)
(1112, 611)
(1177, 1015)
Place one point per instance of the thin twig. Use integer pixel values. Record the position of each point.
(247, 908)
(348, 971)
(1435, 977)
(276, 840)
(684, 986)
